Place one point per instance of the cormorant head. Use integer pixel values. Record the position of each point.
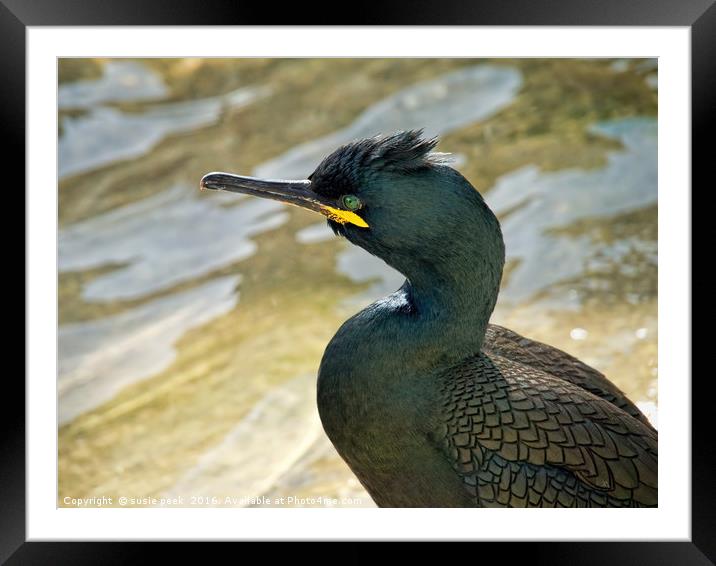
(395, 198)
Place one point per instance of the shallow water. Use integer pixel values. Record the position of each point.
(121, 81)
(100, 357)
(582, 258)
(533, 204)
(438, 106)
(250, 460)
(102, 134)
(174, 236)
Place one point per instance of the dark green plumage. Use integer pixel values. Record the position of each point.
(429, 404)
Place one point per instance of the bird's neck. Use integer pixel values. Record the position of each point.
(454, 306)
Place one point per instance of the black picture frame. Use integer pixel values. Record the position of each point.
(699, 15)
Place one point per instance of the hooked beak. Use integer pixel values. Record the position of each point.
(298, 193)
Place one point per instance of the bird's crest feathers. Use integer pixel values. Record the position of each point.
(404, 151)
(400, 152)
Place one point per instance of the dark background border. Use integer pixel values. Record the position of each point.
(700, 15)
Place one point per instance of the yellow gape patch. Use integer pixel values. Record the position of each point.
(343, 216)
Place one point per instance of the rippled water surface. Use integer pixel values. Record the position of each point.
(99, 357)
(121, 81)
(158, 242)
(170, 385)
(437, 106)
(103, 134)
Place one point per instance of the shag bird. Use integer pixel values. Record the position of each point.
(428, 403)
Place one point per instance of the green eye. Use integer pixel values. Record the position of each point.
(351, 202)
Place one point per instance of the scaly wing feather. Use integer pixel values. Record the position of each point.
(513, 346)
(521, 437)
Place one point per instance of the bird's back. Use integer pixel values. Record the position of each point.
(513, 346)
(518, 436)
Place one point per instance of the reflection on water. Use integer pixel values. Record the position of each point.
(266, 444)
(99, 358)
(122, 81)
(103, 135)
(439, 106)
(358, 265)
(533, 203)
(155, 243)
(315, 233)
(164, 240)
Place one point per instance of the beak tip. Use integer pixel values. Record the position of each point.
(204, 184)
